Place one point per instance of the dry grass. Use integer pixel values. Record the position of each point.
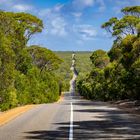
(60, 99)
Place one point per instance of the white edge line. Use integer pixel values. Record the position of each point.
(71, 122)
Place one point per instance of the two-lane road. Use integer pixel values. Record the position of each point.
(73, 119)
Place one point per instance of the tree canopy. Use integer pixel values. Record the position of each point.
(116, 74)
(127, 25)
(26, 72)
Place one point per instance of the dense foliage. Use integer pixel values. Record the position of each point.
(26, 72)
(115, 74)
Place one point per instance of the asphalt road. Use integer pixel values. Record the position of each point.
(73, 119)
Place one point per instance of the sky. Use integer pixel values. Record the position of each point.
(71, 25)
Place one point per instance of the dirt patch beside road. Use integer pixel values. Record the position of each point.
(13, 113)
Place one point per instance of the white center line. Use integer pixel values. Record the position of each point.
(71, 123)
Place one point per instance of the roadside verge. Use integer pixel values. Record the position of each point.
(9, 115)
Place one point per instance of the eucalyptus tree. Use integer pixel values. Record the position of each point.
(126, 25)
(21, 65)
(119, 78)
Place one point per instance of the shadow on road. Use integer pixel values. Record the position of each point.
(48, 135)
(105, 123)
(90, 130)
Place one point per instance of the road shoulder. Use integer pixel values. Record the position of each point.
(9, 115)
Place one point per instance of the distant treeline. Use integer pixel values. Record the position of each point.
(26, 72)
(82, 65)
(115, 74)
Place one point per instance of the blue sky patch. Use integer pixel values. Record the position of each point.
(73, 25)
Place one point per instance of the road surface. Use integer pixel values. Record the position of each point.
(73, 119)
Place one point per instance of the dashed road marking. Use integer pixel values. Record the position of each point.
(71, 122)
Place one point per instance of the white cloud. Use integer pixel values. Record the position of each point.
(14, 5)
(54, 21)
(102, 5)
(22, 7)
(45, 12)
(58, 27)
(51, 11)
(86, 32)
(58, 7)
(77, 14)
(81, 4)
